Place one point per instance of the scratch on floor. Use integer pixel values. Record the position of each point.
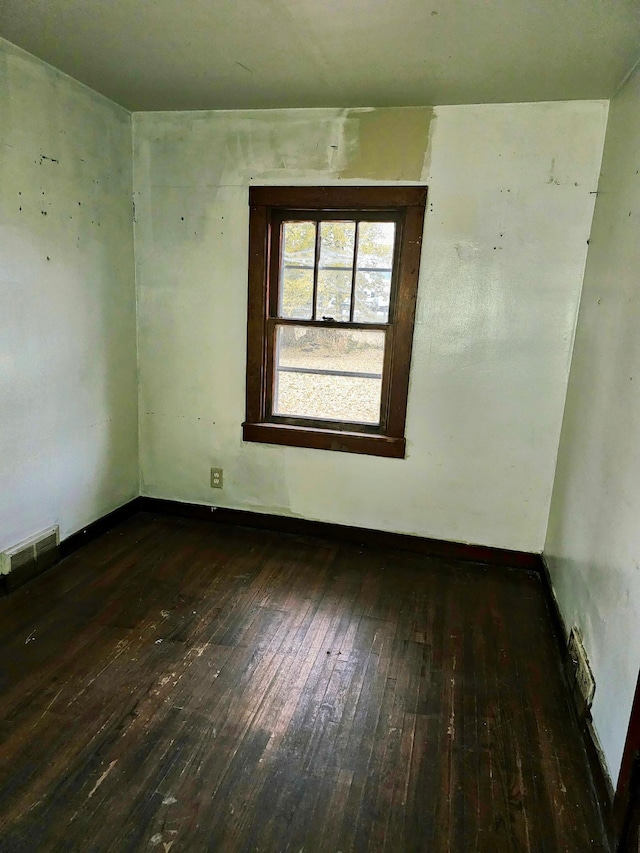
(102, 778)
(51, 703)
(451, 729)
(522, 789)
(157, 839)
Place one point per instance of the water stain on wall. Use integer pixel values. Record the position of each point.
(372, 143)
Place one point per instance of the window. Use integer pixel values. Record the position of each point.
(333, 276)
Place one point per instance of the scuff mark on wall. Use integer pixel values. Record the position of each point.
(372, 138)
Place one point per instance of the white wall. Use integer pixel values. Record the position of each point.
(68, 400)
(505, 244)
(593, 542)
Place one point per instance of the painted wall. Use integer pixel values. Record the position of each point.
(68, 399)
(593, 542)
(505, 244)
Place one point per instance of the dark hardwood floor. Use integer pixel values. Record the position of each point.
(183, 686)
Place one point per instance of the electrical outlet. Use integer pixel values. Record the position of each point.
(216, 478)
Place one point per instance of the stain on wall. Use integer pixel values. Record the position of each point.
(387, 144)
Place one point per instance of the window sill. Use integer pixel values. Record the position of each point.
(325, 439)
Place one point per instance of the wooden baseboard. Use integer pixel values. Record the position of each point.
(296, 526)
(626, 804)
(360, 535)
(98, 527)
(16, 579)
(602, 782)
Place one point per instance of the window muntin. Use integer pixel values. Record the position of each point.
(335, 269)
(297, 266)
(331, 308)
(374, 268)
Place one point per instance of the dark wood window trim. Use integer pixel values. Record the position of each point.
(406, 206)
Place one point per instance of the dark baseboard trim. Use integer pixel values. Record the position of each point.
(559, 628)
(342, 532)
(98, 527)
(19, 577)
(626, 803)
(601, 781)
(286, 524)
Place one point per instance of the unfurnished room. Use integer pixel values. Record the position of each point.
(319, 426)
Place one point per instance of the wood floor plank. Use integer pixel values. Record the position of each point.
(182, 686)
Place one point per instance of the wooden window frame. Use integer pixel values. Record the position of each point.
(269, 206)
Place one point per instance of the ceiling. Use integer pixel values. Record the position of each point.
(233, 54)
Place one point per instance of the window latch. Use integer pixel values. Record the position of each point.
(329, 319)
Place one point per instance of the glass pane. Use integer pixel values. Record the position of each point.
(335, 269)
(328, 374)
(296, 270)
(373, 277)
